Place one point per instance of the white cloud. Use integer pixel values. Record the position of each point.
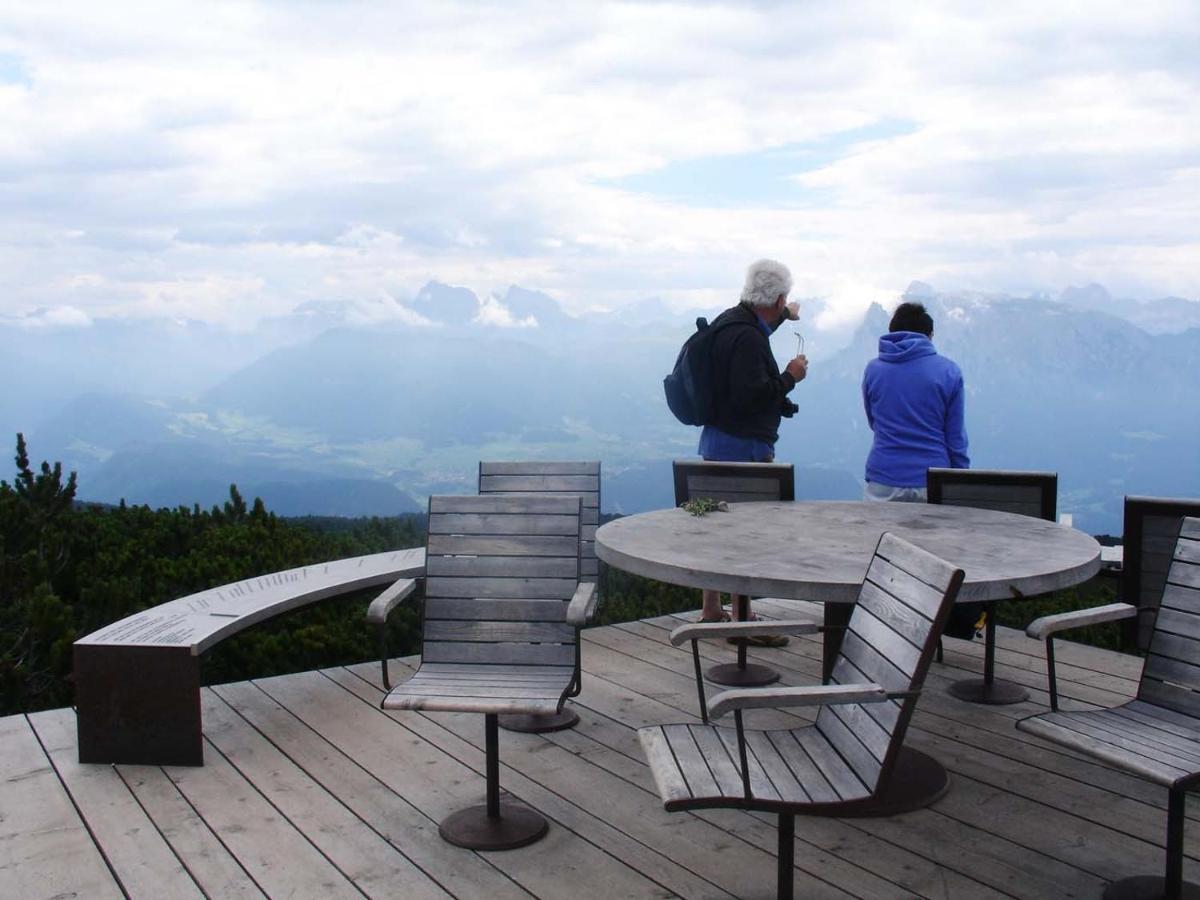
(495, 313)
(271, 154)
(51, 319)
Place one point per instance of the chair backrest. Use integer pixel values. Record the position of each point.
(1027, 493)
(500, 572)
(732, 481)
(1171, 676)
(890, 640)
(554, 478)
(1151, 527)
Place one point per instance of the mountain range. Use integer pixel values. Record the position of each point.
(337, 412)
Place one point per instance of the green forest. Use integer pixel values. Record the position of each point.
(69, 568)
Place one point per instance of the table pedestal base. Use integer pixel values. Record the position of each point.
(993, 693)
(917, 781)
(540, 724)
(733, 675)
(1147, 887)
(473, 828)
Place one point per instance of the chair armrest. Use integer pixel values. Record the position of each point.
(583, 604)
(381, 607)
(783, 697)
(1048, 625)
(697, 631)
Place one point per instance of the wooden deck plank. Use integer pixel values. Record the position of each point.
(981, 726)
(144, 862)
(215, 869)
(309, 788)
(375, 866)
(639, 825)
(279, 857)
(443, 774)
(45, 850)
(1029, 874)
(827, 843)
(392, 814)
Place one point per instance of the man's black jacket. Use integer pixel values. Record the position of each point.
(748, 389)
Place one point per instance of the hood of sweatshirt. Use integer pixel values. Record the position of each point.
(901, 346)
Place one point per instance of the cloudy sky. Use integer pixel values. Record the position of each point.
(229, 161)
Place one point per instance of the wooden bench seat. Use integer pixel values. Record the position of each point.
(137, 681)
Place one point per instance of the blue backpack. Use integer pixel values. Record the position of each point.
(689, 386)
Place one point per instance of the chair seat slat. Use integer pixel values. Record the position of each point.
(502, 566)
(761, 787)
(562, 483)
(783, 780)
(488, 545)
(511, 504)
(841, 777)
(849, 746)
(1153, 769)
(510, 588)
(862, 658)
(884, 640)
(484, 654)
(491, 632)
(693, 767)
(539, 467)
(724, 769)
(896, 614)
(870, 733)
(504, 524)
(663, 766)
(475, 609)
(792, 753)
(904, 587)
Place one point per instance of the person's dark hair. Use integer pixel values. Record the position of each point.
(912, 317)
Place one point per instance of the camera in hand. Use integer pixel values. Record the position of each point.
(788, 408)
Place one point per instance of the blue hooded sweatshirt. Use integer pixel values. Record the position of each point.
(914, 404)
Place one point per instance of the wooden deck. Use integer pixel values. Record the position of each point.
(310, 790)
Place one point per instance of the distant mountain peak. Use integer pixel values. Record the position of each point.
(1095, 296)
(918, 291)
(445, 303)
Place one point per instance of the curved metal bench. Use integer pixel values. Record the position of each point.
(137, 681)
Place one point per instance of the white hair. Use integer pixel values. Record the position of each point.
(766, 281)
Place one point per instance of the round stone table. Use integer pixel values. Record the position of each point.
(819, 551)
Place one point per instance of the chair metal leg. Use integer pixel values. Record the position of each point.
(700, 682)
(491, 827)
(383, 655)
(1174, 874)
(1171, 886)
(939, 650)
(787, 851)
(491, 741)
(1051, 676)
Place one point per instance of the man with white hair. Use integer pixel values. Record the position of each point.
(749, 392)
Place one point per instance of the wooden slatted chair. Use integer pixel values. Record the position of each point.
(1151, 524)
(1024, 493)
(581, 478)
(733, 482)
(503, 609)
(843, 763)
(1157, 735)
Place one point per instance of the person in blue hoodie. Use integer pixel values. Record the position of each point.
(914, 403)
